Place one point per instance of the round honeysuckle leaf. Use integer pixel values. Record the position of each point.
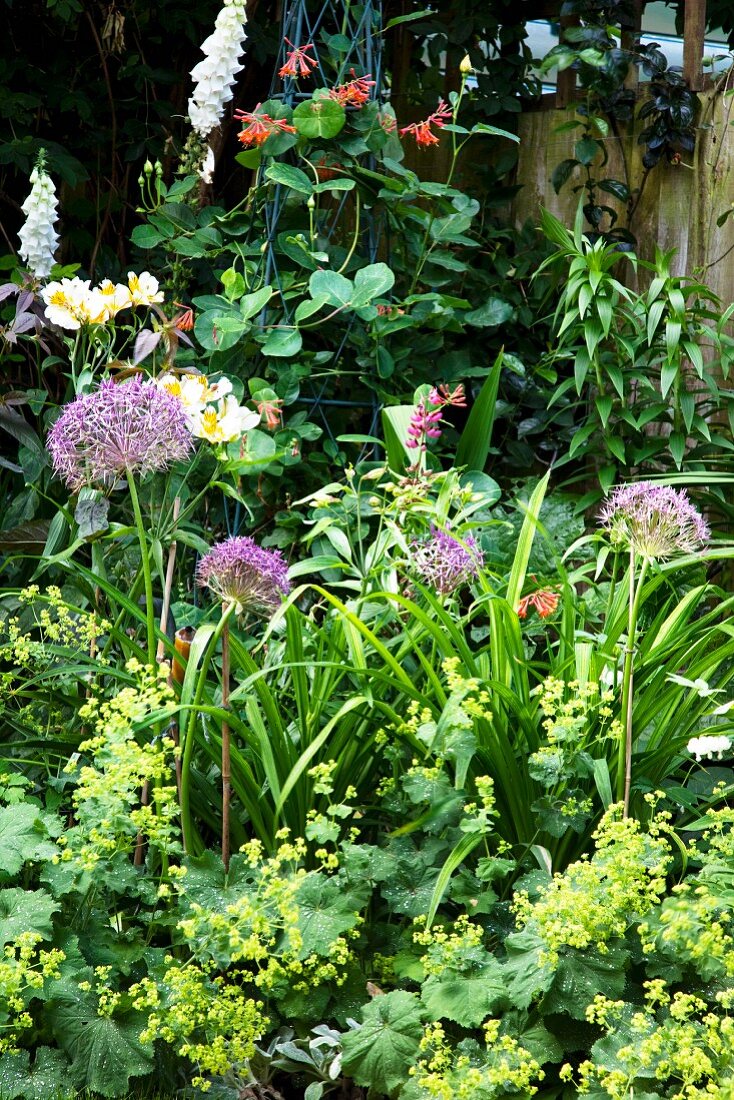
(319, 118)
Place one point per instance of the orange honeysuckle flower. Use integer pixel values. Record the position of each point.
(422, 131)
(184, 321)
(297, 61)
(260, 127)
(544, 601)
(355, 93)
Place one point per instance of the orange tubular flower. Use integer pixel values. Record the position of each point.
(355, 93)
(444, 395)
(260, 127)
(184, 321)
(297, 62)
(422, 131)
(270, 410)
(544, 601)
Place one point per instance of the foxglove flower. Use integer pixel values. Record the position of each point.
(215, 75)
(445, 562)
(38, 238)
(655, 521)
(120, 428)
(241, 572)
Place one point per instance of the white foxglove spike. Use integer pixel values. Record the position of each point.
(215, 74)
(38, 237)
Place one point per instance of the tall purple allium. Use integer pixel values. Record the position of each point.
(120, 428)
(445, 562)
(653, 520)
(241, 572)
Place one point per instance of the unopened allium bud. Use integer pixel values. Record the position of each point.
(38, 237)
(241, 572)
(653, 520)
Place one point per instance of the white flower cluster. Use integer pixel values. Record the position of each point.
(38, 238)
(212, 411)
(71, 303)
(215, 75)
(707, 747)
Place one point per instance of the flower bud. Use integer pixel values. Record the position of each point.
(466, 66)
(148, 168)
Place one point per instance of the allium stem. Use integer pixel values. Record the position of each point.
(147, 577)
(624, 770)
(190, 729)
(226, 754)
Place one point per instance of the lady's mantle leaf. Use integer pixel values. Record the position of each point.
(327, 908)
(466, 996)
(379, 1054)
(22, 837)
(47, 1077)
(25, 911)
(106, 1051)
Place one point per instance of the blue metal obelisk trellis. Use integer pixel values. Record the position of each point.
(345, 40)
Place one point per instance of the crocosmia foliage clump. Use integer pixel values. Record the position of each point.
(366, 626)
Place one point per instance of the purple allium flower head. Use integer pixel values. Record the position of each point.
(240, 571)
(120, 428)
(445, 562)
(653, 520)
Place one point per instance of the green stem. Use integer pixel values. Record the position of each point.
(147, 576)
(188, 738)
(624, 769)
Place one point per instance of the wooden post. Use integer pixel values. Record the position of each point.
(694, 29)
(566, 81)
(630, 40)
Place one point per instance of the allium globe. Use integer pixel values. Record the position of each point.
(123, 428)
(445, 562)
(239, 571)
(653, 520)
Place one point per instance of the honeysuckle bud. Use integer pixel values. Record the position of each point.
(38, 237)
(466, 66)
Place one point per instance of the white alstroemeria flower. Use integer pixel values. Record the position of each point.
(143, 289)
(215, 74)
(38, 238)
(116, 296)
(217, 390)
(65, 301)
(225, 422)
(700, 686)
(192, 390)
(707, 747)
